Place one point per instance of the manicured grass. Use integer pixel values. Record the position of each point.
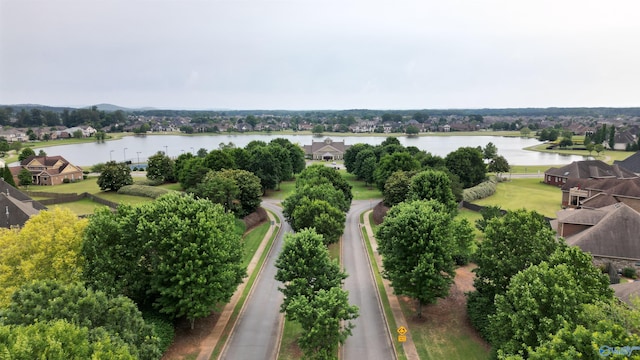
(471, 216)
(530, 194)
(607, 156)
(289, 349)
(529, 169)
(89, 185)
(435, 341)
(123, 199)
(252, 241)
(286, 189)
(174, 186)
(359, 190)
(82, 207)
(383, 293)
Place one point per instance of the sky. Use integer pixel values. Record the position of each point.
(320, 55)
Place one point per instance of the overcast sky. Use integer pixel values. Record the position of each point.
(326, 54)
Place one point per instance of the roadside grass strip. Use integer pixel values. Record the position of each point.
(247, 289)
(383, 294)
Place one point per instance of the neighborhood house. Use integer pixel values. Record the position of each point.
(326, 150)
(48, 170)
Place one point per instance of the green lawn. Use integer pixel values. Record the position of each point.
(530, 194)
(607, 156)
(471, 216)
(81, 207)
(252, 241)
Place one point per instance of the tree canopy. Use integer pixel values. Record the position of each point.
(30, 253)
(179, 254)
(416, 241)
(114, 176)
(468, 164)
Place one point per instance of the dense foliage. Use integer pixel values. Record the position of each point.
(114, 176)
(417, 243)
(30, 253)
(178, 254)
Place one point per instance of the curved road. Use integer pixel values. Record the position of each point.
(370, 338)
(257, 331)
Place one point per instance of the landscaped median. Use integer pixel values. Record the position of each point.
(443, 331)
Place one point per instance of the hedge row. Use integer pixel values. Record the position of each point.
(143, 190)
(481, 191)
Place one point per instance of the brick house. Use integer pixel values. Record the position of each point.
(48, 170)
(588, 169)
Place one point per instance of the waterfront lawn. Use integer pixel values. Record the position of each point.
(531, 194)
(607, 156)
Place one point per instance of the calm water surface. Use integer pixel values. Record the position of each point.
(139, 148)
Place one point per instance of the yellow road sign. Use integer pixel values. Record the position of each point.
(402, 338)
(402, 330)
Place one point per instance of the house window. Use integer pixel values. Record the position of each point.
(549, 178)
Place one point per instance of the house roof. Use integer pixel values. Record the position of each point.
(626, 291)
(590, 169)
(326, 145)
(614, 235)
(581, 216)
(632, 163)
(17, 207)
(44, 160)
(624, 137)
(597, 201)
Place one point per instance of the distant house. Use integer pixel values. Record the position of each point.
(632, 163)
(48, 170)
(610, 234)
(15, 206)
(326, 150)
(622, 140)
(588, 169)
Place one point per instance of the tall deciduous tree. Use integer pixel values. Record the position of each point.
(391, 163)
(490, 151)
(317, 174)
(498, 165)
(320, 215)
(511, 244)
(25, 153)
(467, 163)
(304, 266)
(396, 189)
(114, 176)
(160, 168)
(296, 154)
(416, 241)
(542, 298)
(432, 185)
(33, 254)
(180, 254)
(44, 301)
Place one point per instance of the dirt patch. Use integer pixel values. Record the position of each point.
(187, 341)
(450, 311)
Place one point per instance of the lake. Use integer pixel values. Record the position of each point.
(139, 148)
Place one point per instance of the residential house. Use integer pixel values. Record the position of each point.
(597, 193)
(86, 131)
(622, 140)
(326, 150)
(610, 233)
(48, 170)
(587, 169)
(15, 206)
(632, 163)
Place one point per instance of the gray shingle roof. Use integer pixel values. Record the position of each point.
(632, 163)
(591, 169)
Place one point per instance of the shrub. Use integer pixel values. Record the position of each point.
(66, 181)
(147, 182)
(629, 272)
(97, 167)
(162, 328)
(480, 191)
(142, 190)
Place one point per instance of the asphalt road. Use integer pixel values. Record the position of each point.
(257, 333)
(370, 338)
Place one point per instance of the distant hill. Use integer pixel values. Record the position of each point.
(111, 108)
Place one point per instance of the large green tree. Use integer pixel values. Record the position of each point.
(498, 165)
(177, 253)
(320, 215)
(25, 153)
(25, 178)
(511, 243)
(43, 301)
(114, 176)
(296, 154)
(30, 253)
(160, 168)
(318, 174)
(219, 159)
(391, 163)
(218, 189)
(433, 185)
(304, 266)
(417, 243)
(351, 154)
(468, 164)
(8, 176)
(397, 187)
(542, 298)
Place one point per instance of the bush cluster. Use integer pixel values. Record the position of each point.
(629, 272)
(480, 191)
(143, 190)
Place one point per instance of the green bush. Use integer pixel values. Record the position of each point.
(481, 191)
(162, 328)
(66, 181)
(629, 272)
(147, 182)
(142, 190)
